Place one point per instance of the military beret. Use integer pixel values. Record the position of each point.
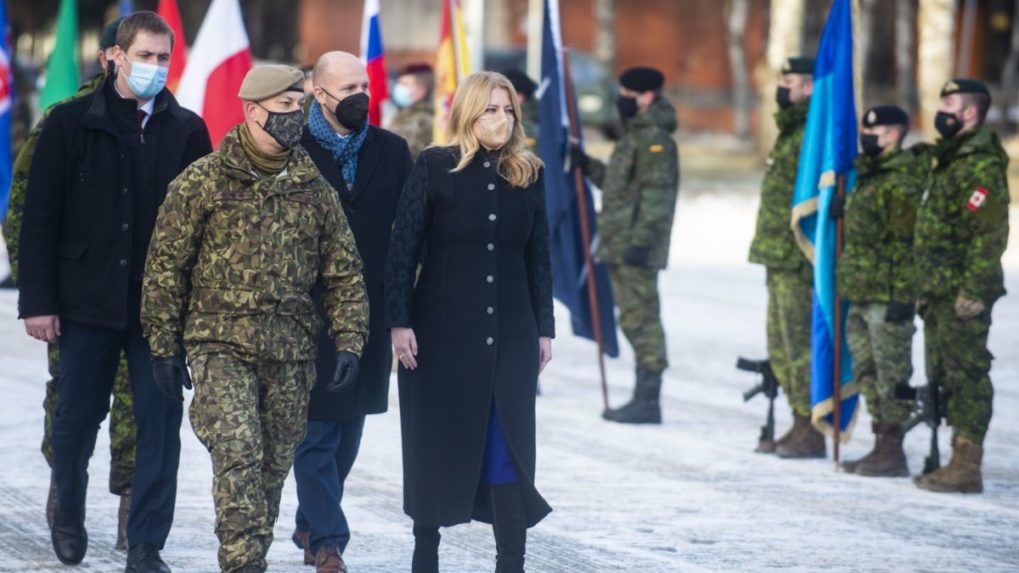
(964, 86)
(641, 79)
(416, 68)
(799, 65)
(521, 82)
(108, 39)
(885, 115)
(266, 81)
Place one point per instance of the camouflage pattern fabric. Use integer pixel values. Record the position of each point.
(251, 416)
(774, 244)
(959, 362)
(636, 292)
(790, 296)
(243, 251)
(882, 358)
(639, 187)
(880, 214)
(529, 111)
(415, 124)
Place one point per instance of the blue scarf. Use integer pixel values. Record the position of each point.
(344, 150)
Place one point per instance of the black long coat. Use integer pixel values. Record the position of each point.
(382, 167)
(483, 298)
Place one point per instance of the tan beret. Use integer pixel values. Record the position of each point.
(266, 81)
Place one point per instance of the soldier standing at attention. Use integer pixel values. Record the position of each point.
(243, 237)
(413, 95)
(875, 273)
(961, 233)
(790, 276)
(526, 90)
(639, 188)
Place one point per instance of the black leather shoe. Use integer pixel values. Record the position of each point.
(70, 540)
(144, 558)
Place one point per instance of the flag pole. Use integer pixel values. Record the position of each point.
(837, 379)
(585, 230)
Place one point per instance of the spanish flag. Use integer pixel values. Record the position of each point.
(451, 65)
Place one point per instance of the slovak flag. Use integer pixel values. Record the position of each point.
(375, 59)
(6, 107)
(217, 64)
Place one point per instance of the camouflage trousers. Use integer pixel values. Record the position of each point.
(790, 300)
(882, 358)
(959, 362)
(640, 315)
(122, 426)
(251, 416)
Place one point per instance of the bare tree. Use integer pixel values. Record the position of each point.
(936, 21)
(785, 38)
(905, 39)
(605, 33)
(736, 12)
(1008, 73)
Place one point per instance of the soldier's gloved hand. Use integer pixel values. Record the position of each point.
(967, 308)
(900, 312)
(345, 375)
(636, 255)
(578, 158)
(837, 207)
(171, 375)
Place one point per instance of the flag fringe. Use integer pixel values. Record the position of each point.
(802, 211)
(823, 409)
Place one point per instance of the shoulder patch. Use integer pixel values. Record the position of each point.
(656, 148)
(977, 199)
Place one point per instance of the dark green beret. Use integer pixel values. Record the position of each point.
(521, 82)
(642, 79)
(108, 39)
(799, 65)
(885, 115)
(964, 86)
(264, 82)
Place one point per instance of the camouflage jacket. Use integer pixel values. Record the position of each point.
(529, 111)
(962, 223)
(415, 124)
(235, 255)
(877, 260)
(639, 187)
(774, 244)
(19, 177)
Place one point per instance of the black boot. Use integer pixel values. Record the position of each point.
(510, 526)
(70, 540)
(144, 558)
(426, 550)
(643, 408)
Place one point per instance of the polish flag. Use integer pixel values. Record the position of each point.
(178, 58)
(375, 59)
(217, 64)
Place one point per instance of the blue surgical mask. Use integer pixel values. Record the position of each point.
(401, 95)
(146, 80)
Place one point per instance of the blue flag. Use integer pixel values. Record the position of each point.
(6, 110)
(126, 7)
(569, 275)
(829, 148)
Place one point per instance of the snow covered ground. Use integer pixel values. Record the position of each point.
(687, 496)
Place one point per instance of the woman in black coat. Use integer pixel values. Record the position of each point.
(473, 330)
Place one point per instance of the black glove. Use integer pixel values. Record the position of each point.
(635, 256)
(345, 375)
(900, 312)
(578, 158)
(837, 207)
(170, 375)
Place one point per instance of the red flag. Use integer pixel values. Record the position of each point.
(178, 58)
(375, 59)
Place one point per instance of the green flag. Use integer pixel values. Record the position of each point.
(62, 68)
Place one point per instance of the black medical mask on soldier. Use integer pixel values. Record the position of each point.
(351, 111)
(285, 127)
(869, 144)
(627, 106)
(783, 97)
(947, 124)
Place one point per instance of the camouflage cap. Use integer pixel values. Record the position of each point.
(642, 79)
(108, 39)
(885, 115)
(799, 65)
(266, 81)
(964, 86)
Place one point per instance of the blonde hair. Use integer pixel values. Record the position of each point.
(516, 164)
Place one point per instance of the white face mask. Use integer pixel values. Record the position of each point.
(401, 96)
(146, 80)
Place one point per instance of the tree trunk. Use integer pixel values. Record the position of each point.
(905, 39)
(937, 30)
(736, 23)
(785, 39)
(865, 28)
(605, 34)
(1008, 74)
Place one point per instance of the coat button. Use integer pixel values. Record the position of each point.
(123, 262)
(489, 341)
(490, 310)
(490, 279)
(491, 186)
(491, 217)
(488, 164)
(123, 191)
(491, 246)
(124, 227)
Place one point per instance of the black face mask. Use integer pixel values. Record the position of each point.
(351, 111)
(286, 127)
(783, 97)
(947, 124)
(627, 106)
(869, 144)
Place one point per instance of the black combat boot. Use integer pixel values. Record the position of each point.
(426, 550)
(70, 540)
(123, 516)
(509, 524)
(144, 558)
(887, 459)
(644, 407)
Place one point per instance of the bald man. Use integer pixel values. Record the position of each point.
(366, 167)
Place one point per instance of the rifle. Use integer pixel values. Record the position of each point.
(930, 409)
(767, 386)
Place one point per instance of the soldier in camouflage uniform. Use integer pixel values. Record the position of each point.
(526, 88)
(243, 236)
(413, 95)
(961, 233)
(639, 190)
(875, 273)
(122, 426)
(790, 275)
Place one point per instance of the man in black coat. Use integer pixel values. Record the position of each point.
(98, 177)
(366, 166)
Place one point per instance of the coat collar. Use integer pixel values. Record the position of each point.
(368, 160)
(97, 116)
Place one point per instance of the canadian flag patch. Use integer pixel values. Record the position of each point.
(977, 199)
